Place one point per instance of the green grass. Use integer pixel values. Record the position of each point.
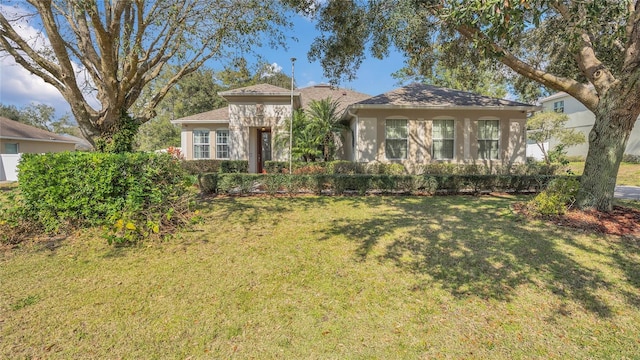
(628, 174)
(329, 277)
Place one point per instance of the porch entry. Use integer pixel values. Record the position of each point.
(264, 148)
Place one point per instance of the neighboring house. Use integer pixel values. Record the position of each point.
(17, 138)
(413, 125)
(582, 119)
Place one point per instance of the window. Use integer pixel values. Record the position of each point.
(11, 148)
(396, 139)
(442, 135)
(222, 144)
(558, 106)
(201, 144)
(488, 139)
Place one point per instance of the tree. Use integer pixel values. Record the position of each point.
(10, 112)
(588, 49)
(473, 74)
(324, 116)
(113, 50)
(156, 134)
(544, 126)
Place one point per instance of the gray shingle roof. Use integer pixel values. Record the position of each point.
(260, 89)
(421, 95)
(217, 114)
(10, 129)
(322, 91)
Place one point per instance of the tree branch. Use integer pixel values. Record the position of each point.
(572, 87)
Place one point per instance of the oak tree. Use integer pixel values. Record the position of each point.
(101, 55)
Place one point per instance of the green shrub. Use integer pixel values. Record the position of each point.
(201, 166)
(234, 166)
(133, 194)
(208, 183)
(557, 197)
(344, 167)
(237, 183)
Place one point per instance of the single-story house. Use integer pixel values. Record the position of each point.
(581, 119)
(17, 138)
(413, 125)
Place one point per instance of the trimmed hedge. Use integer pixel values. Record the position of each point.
(334, 167)
(204, 166)
(135, 193)
(338, 184)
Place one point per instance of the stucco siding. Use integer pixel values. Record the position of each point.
(371, 135)
(37, 147)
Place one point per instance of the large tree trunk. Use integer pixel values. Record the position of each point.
(117, 136)
(607, 142)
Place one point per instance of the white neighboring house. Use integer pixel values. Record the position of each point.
(581, 119)
(18, 138)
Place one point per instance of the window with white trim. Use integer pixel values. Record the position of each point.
(222, 144)
(10, 148)
(488, 139)
(201, 144)
(396, 139)
(442, 134)
(558, 106)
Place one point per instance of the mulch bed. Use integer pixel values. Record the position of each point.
(622, 221)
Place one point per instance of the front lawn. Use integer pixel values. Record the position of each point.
(329, 277)
(628, 174)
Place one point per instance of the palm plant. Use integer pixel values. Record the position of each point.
(326, 119)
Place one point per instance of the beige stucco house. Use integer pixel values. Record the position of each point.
(17, 138)
(413, 125)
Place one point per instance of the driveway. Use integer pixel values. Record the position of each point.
(627, 192)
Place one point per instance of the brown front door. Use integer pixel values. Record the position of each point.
(264, 148)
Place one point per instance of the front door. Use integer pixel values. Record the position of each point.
(264, 148)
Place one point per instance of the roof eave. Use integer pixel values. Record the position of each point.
(195, 121)
(39, 140)
(252, 94)
(443, 107)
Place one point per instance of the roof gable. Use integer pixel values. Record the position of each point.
(217, 114)
(10, 129)
(344, 97)
(421, 95)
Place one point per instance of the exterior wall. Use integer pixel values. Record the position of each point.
(582, 120)
(186, 138)
(37, 147)
(370, 135)
(248, 116)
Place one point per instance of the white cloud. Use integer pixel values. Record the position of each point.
(17, 85)
(311, 83)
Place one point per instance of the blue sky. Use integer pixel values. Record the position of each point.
(18, 87)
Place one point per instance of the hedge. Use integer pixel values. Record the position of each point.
(203, 166)
(132, 191)
(338, 184)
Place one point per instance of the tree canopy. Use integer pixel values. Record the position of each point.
(588, 49)
(109, 51)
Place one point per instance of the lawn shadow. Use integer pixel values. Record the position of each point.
(473, 247)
